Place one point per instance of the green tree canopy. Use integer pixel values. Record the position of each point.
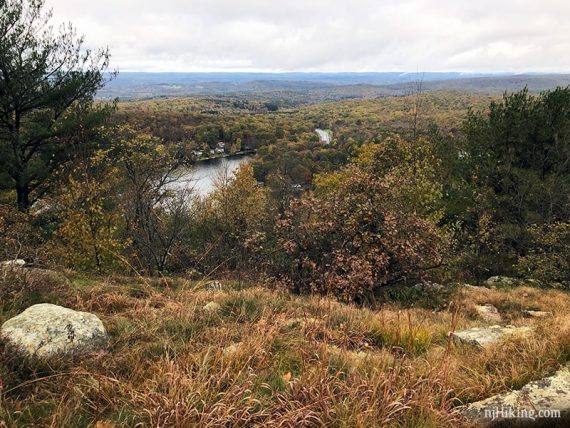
(47, 84)
(509, 183)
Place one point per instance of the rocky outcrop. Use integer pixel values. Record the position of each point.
(48, 331)
(486, 336)
(546, 401)
(506, 282)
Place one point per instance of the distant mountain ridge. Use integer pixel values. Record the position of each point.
(329, 86)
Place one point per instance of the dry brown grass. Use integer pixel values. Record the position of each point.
(296, 361)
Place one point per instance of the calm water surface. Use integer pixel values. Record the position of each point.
(202, 175)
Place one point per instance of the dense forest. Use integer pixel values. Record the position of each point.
(492, 209)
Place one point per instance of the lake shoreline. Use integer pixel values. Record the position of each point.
(226, 156)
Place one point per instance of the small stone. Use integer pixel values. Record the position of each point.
(486, 336)
(546, 395)
(301, 322)
(212, 307)
(16, 262)
(231, 349)
(43, 331)
(488, 313)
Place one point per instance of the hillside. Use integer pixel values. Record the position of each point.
(259, 357)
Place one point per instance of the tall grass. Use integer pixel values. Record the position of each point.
(268, 358)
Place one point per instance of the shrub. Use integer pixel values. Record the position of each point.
(372, 224)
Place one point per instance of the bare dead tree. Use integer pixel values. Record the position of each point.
(416, 96)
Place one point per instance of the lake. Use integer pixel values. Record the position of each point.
(202, 175)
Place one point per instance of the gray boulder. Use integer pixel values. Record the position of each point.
(549, 398)
(486, 336)
(46, 331)
(488, 313)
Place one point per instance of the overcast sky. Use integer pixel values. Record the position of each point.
(326, 35)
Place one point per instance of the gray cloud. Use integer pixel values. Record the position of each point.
(326, 35)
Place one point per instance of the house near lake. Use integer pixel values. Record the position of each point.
(221, 148)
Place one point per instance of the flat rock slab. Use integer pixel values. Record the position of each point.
(547, 400)
(488, 313)
(44, 331)
(537, 314)
(486, 336)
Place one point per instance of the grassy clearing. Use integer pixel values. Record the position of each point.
(273, 359)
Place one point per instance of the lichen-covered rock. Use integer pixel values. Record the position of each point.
(488, 313)
(546, 397)
(46, 331)
(486, 336)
